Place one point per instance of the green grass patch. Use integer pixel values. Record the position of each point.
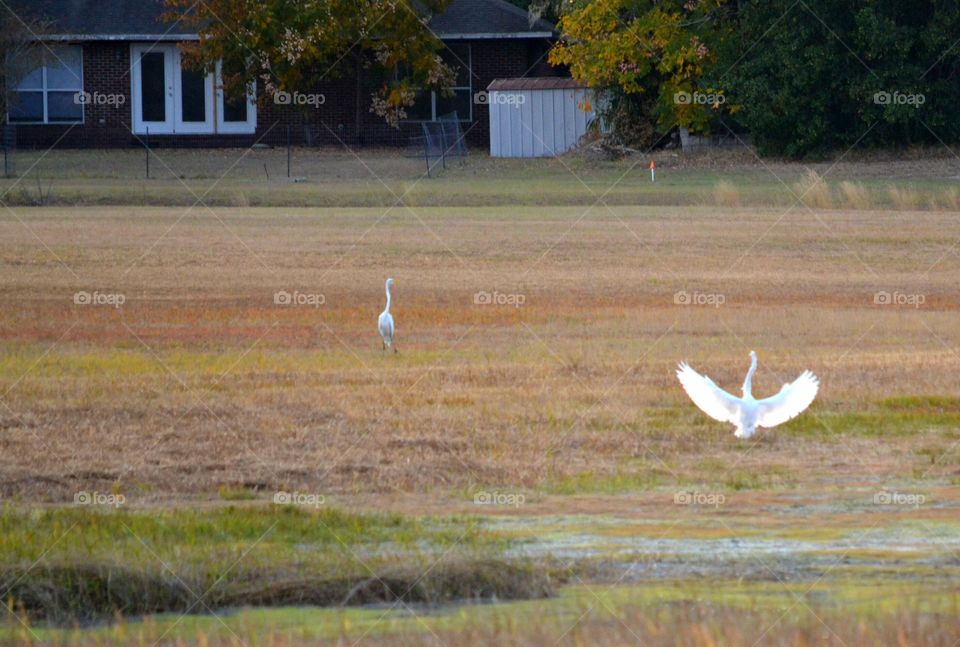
(771, 477)
(258, 179)
(231, 493)
(922, 404)
(657, 612)
(80, 564)
(882, 422)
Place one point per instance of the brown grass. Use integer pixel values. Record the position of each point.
(200, 382)
(950, 199)
(854, 195)
(904, 199)
(813, 191)
(685, 623)
(726, 194)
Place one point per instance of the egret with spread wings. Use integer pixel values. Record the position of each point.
(748, 413)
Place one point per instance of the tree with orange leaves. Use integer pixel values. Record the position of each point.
(290, 45)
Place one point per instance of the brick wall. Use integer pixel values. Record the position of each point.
(343, 119)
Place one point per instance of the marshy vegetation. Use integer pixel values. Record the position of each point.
(81, 565)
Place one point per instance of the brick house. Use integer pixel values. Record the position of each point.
(123, 61)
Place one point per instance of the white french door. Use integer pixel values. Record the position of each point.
(152, 93)
(167, 97)
(193, 98)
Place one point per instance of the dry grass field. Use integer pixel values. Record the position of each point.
(143, 353)
(199, 380)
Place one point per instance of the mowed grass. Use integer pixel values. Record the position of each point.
(199, 179)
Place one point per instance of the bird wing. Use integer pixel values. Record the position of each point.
(792, 399)
(712, 400)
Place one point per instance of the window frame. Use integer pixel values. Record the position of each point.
(45, 91)
(434, 93)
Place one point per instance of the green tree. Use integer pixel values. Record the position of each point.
(647, 57)
(20, 52)
(823, 75)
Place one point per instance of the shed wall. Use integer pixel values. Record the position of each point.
(537, 123)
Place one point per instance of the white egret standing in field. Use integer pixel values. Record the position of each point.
(747, 413)
(385, 323)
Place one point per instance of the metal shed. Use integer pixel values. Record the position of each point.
(537, 117)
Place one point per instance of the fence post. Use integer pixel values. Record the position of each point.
(288, 151)
(146, 147)
(426, 147)
(443, 146)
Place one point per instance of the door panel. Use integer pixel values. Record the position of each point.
(236, 114)
(193, 104)
(193, 94)
(153, 87)
(152, 80)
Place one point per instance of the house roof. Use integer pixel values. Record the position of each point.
(535, 83)
(487, 18)
(138, 19)
(100, 19)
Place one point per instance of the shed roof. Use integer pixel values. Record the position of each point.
(536, 83)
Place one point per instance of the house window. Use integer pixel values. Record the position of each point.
(170, 98)
(429, 105)
(49, 93)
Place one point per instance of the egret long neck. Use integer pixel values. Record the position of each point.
(748, 383)
(387, 309)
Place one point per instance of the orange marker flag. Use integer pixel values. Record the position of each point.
(653, 167)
